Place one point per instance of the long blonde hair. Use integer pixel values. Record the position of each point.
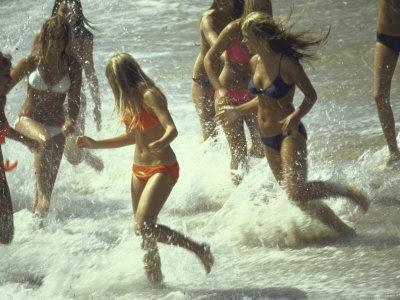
(281, 39)
(254, 5)
(129, 83)
(47, 32)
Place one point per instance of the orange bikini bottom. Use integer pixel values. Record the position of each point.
(144, 173)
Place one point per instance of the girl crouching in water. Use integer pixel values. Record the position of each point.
(150, 127)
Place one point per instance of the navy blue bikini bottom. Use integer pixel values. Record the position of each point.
(393, 42)
(275, 142)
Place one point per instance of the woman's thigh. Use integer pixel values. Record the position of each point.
(153, 197)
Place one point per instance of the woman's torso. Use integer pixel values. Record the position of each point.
(198, 69)
(144, 137)
(237, 71)
(42, 104)
(271, 111)
(389, 17)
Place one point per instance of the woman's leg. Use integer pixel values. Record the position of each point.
(203, 99)
(384, 66)
(152, 199)
(237, 143)
(47, 164)
(6, 209)
(46, 161)
(306, 194)
(256, 148)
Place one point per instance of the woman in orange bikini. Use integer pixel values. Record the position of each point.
(277, 71)
(212, 22)
(150, 127)
(231, 86)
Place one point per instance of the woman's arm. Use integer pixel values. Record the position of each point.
(74, 97)
(208, 30)
(154, 100)
(90, 73)
(299, 77)
(125, 139)
(24, 67)
(222, 43)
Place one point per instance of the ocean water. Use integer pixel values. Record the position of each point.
(264, 246)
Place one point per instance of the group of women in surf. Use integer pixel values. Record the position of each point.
(246, 74)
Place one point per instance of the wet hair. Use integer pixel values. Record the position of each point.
(50, 26)
(5, 59)
(82, 21)
(298, 45)
(129, 83)
(238, 6)
(254, 5)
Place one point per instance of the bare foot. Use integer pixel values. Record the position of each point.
(41, 208)
(206, 257)
(393, 162)
(358, 197)
(152, 267)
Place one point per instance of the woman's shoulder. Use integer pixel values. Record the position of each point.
(152, 97)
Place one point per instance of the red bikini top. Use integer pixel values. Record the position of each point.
(141, 120)
(237, 53)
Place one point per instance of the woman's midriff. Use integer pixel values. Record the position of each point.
(389, 17)
(44, 109)
(143, 156)
(235, 76)
(270, 113)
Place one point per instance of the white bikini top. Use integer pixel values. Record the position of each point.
(37, 82)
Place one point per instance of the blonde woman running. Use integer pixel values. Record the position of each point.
(277, 71)
(143, 108)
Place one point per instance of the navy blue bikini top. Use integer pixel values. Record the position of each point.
(276, 90)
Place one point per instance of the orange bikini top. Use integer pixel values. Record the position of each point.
(141, 121)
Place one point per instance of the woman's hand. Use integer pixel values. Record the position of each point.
(68, 127)
(227, 115)
(291, 122)
(85, 142)
(156, 147)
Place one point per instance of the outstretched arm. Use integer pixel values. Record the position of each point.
(24, 67)
(90, 73)
(74, 97)
(125, 139)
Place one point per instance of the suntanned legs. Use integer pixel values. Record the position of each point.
(46, 161)
(6, 209)
(147, 201)
(203, 99)
(384, 65)
(290, 169)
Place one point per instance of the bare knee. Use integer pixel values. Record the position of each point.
(382, 101)
(143, 228)
(297, 194)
